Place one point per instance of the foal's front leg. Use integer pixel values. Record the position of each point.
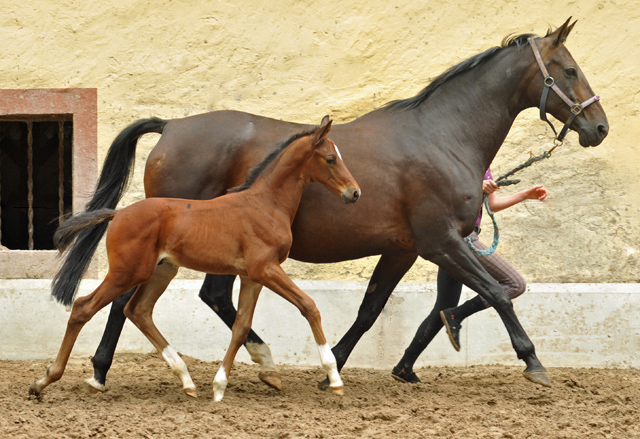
(274, 278)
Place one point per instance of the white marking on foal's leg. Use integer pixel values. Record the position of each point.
(329, 363)
(179, 369)
(261, 354)
(219, 384)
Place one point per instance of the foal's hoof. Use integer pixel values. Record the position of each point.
(539, 376)
(338, 390)
(191, 391)
(93, 386)
(271, 378)
(33, 391)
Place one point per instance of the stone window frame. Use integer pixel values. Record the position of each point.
(81, 104)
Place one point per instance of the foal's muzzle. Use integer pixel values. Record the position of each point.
(351, 195)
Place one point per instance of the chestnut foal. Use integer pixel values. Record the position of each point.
(246, 232)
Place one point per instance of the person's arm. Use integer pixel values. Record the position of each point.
(496, 203)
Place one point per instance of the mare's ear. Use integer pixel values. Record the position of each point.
(322, 131)
(560, 34)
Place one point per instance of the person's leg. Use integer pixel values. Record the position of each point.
(448, 295)
(507, 276)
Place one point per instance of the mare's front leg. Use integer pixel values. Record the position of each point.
(249, 292)
(388, 272)
(458, 260)
(103, 357)
(84, 308)
(216, 293)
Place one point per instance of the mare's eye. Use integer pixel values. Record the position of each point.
(572, 72)
(330, 161)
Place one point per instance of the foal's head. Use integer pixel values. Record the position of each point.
(327, 167)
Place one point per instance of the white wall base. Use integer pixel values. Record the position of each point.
(574, 325)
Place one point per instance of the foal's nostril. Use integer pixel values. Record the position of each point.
(355, 196)
(603, 130)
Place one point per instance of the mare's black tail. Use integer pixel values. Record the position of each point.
(113, 181)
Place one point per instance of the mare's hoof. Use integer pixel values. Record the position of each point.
(191, 391)
(404, 376)
(338, 390)
(539, 376)
(92, 386)
(271, 379)
(323, 385)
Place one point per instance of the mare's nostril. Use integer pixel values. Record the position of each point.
(356, 195)
(603, 130)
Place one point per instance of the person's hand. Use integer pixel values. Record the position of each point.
(537, 192)
(489, 186)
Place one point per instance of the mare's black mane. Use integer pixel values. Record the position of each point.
(258, 169)
(466, 65)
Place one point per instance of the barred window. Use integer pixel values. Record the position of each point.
(48, 168)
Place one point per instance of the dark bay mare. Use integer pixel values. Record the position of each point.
(419, 161)
(246, 232)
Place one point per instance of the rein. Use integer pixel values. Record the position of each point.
(550, 83)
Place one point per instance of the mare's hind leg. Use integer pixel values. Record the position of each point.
(249, 292)
(274, 278)
(84, 308)
(216, 293)
(462, 265)
(103, 357)
(140, 311)
(388, 272)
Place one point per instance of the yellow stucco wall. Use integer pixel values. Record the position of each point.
(299, 60)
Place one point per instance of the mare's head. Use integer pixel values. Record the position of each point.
(327, 167)
(589, 122)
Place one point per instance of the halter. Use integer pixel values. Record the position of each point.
(549, 83)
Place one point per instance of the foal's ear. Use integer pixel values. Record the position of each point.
(560, 34)
(323, 130)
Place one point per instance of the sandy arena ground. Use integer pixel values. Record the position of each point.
(144, 400)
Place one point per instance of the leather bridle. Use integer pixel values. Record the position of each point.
(549, 83)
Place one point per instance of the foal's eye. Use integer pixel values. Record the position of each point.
(330, 161)
(572, 72)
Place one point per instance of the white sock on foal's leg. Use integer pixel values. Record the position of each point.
(179, 369)
(329, 363)
(219, 384)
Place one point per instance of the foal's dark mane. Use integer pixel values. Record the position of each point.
(466, 65)
(258, 169)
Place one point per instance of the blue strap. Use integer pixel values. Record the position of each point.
(496, 233)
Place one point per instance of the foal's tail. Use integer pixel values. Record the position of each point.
(69, 229)
(113, 181)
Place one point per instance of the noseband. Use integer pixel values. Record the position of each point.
(549, 83)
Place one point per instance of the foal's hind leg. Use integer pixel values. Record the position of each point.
(249, 292)
(84, 308)
(140, 310)
(216, 293)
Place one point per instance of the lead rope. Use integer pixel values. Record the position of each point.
(502, 181)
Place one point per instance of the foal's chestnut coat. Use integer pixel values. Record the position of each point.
(247, 233)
